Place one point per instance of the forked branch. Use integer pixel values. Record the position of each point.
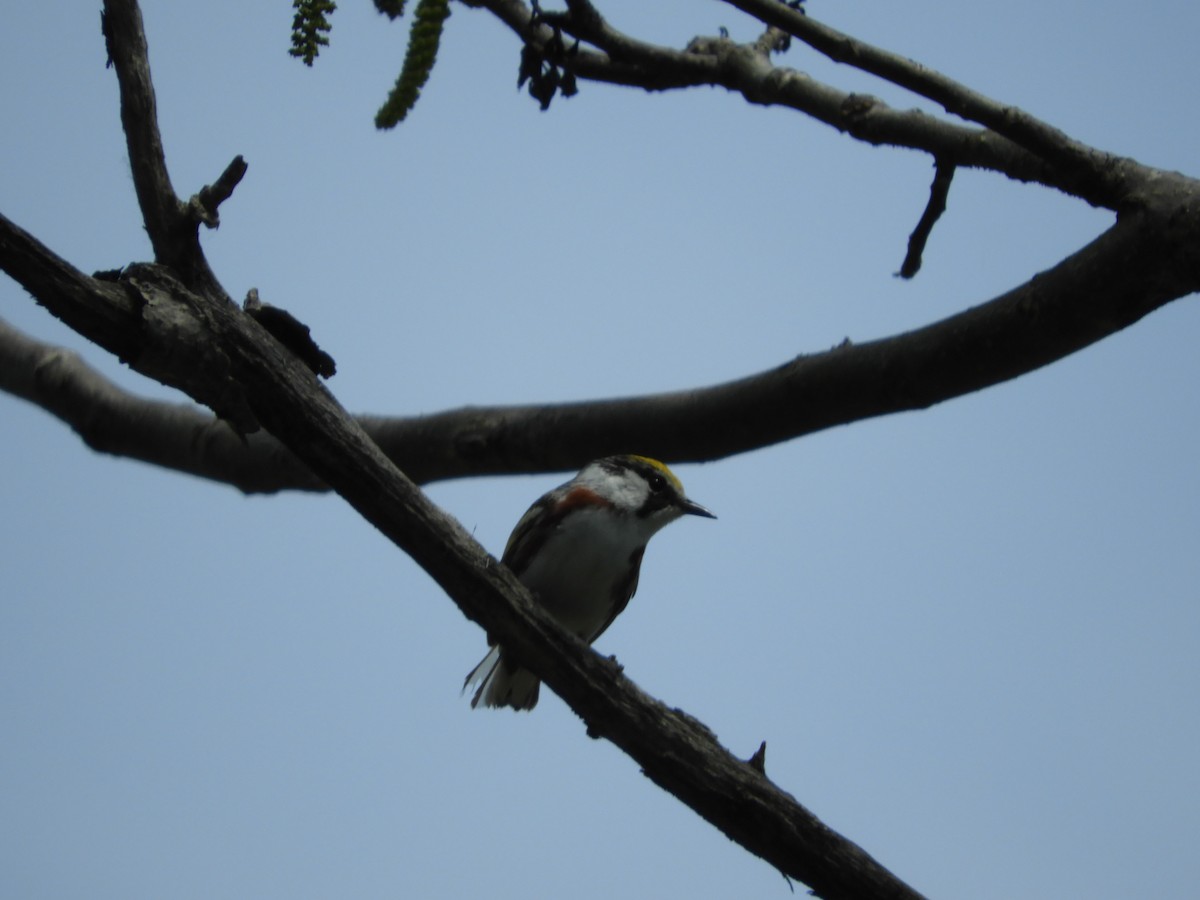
(171, 224)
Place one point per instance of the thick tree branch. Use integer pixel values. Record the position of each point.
(159, 338)
(674, 750)
(99, 309)
(277, 390)
(185, 332)
(176, 436)
(1142, 263)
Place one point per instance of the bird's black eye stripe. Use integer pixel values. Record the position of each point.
(657, 483)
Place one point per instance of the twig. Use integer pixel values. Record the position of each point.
(938, 192)
(204, 204)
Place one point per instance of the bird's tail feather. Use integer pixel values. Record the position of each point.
(501, 684)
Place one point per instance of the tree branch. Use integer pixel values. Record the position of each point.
(938, 191)
(176, 436)
(174, 322)
(673, 749)
(204, 205)
(99, 309)
(197, 341)
(1130, 270)
(633, 63)
(171, 224)
(1013, 143)
(127, 53)
(1096, 176)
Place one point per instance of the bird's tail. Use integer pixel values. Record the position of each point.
(501, 684)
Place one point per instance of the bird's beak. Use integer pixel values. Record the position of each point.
(695, 509)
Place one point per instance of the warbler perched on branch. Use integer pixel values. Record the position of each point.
(579, 550)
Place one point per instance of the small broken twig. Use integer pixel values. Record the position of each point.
(938, 191)
(204, 204)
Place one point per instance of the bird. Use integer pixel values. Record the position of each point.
(579, 550)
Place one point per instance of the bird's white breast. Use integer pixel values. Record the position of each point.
(575, 575)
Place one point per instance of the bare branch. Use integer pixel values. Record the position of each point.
(1096, 176)
(673, 749)
(633, 63)
(747, 69)
(176, 436)
(204, 204)
(128, 54)
(171, 224)
(1012, 143)
(1124, 274)
(1104, 287)
(69, 294)
(938, 191)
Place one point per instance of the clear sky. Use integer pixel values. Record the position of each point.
(968, 635)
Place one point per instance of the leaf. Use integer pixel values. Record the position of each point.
(423, 42)
(310, 27)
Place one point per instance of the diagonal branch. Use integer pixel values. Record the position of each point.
(1098, 174)
(172, 225)
(127, 53)
(99, 309)
(1012, 142)
(674, 750)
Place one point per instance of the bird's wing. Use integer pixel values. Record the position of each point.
(624, 591)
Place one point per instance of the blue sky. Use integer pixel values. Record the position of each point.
(968, 635)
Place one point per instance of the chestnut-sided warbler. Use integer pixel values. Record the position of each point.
(579, 549)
